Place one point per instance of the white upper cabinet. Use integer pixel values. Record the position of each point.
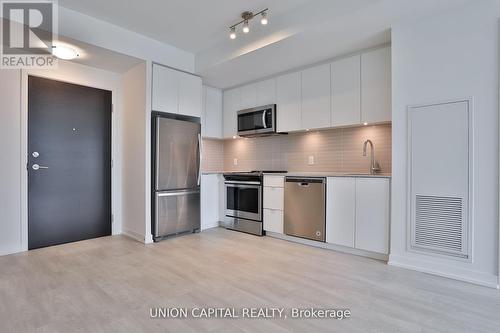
(165, 89)
(176, 92)
(376, 86)
(249, 96)
(266, 92)
(346, 91)
(212, 113)
(190, 91)
(316, 97)
(231, 105)
(288, 102)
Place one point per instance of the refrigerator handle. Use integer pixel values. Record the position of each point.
(200, 149)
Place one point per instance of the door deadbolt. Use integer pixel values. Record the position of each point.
(35, 154)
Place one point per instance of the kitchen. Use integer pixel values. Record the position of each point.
(331, 149)
(293, 159)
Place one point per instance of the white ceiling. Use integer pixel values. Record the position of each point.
(98, 57)
(191, 25)
(300, 32)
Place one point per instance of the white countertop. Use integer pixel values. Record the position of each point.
(314, 174)
(331, 174)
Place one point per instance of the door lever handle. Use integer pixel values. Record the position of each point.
(37, 167)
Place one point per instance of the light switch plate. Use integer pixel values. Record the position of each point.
(235, 161)
(310, 160)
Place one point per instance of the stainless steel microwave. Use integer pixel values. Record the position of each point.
(257, 121)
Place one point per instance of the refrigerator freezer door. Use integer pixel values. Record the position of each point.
(177, 212)
(177, 154)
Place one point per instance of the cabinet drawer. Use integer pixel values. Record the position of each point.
(274, 181)
(273, 197)
(273, 220)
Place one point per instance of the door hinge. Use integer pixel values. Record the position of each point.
(111, 162)
(112, 218)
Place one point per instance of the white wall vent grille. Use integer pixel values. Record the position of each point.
(440, 169)
(439, 224)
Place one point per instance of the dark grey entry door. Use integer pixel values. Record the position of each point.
(69, 162)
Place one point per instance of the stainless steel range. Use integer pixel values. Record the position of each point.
(244, 201)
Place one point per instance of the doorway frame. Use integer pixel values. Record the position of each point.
(87, 81)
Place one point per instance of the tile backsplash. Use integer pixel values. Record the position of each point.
(329, 150)
(213, 155)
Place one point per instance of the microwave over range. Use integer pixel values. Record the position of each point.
(257, 121)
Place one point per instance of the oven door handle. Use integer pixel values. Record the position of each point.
(241, 183)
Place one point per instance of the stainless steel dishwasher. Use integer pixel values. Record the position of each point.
(305, 207)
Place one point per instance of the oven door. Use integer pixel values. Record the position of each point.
(257, 121)
(244, 200)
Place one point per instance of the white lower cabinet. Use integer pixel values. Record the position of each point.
(273, 220)
(341, 211)
(372, 214)
(274, 198)
(357, 213)
(210, 201)
(274, 181)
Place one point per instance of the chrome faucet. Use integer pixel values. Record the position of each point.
(374, 166)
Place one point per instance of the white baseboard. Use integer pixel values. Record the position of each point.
(11, 251)
(148, 239)
(425, 266)
(135, 236)
(328, 246)
(211, 226)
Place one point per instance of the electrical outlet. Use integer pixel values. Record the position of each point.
(235, 161)
(310, 160)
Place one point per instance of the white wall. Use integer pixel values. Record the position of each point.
(449, 56)
(135, 184)
(13, 144)
(100, 33)
(10, 161)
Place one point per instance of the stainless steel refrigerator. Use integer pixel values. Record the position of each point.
(176, 175)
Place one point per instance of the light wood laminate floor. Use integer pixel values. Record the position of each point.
(109, 284)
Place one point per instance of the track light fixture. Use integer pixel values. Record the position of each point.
(232, 34)
(246, 18)
(246, 28)
(263, 19)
